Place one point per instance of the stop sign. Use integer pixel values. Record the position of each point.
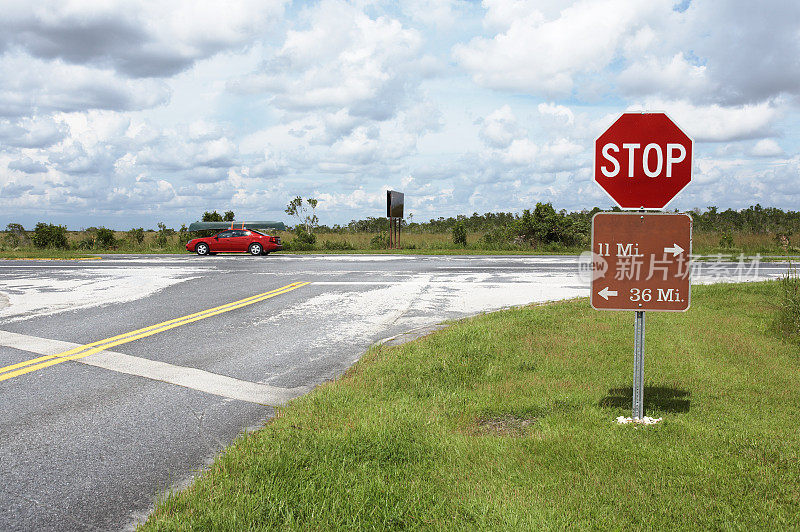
(643, 160)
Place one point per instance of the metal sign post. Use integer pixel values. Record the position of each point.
(394, 232)
(638, 366)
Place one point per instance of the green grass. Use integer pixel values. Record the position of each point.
(506, 421)
(788, 314)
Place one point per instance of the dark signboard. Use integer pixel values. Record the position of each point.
(394, 204)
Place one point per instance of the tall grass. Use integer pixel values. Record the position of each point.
(788, 311)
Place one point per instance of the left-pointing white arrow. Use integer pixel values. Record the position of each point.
(675, 250)
(605, 292)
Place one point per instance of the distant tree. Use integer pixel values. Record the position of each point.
(136, 235)
(164, 232)
(213, 216)
(50, 236)
(183, 234)
(105, 238)
(460, 234)
(15, 235)
(299, 210)
(228, 217)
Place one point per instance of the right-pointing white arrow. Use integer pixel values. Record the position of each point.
(675, 250)
(605, 292)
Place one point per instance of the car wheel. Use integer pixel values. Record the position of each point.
(201, 249)
(256, 249)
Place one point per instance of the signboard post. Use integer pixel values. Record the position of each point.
(394, 211)
(641, 261)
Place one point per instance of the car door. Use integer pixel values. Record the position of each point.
(240, 241)
(222, 242)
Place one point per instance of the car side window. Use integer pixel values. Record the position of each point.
(240, 233)
(225, 234)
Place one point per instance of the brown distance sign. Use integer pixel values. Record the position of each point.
(641, 261)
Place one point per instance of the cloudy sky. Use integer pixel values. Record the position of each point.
(124, 114)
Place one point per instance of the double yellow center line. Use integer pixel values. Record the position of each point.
(21, 368)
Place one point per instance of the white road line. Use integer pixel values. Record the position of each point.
(192, 378)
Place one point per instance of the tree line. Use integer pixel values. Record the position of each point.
(543, 225)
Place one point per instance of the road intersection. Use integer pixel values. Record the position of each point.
(123, 377)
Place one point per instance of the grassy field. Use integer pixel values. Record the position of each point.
(412, 243)
(506, 421)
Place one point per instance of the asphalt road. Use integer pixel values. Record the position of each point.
(163, 360)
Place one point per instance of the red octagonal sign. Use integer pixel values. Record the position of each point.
(643, 160)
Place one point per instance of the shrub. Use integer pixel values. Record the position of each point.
(135, 235)
(105, 238)
(726, 240)
(88, 242)
(50, 236)
(183, 234)
(15, 235)
(459, 234)
(379, 241)
(782, 239)
(304, 237)
(496, 237)
(788, 312)
(164, 232)
(303, 240)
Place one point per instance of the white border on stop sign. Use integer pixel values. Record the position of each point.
(594, 160)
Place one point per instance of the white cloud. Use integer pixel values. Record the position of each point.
(36, 86)
(364, 65)
(767, 148)
(355, 199)
(28, 166)
(642, 48)
(558, 111)
(540, 53)
(749, 49)
(673, 77)
(36, 132)
(137, 39)
(715, 123)
(500, 128)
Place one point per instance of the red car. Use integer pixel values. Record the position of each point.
(235, 241)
